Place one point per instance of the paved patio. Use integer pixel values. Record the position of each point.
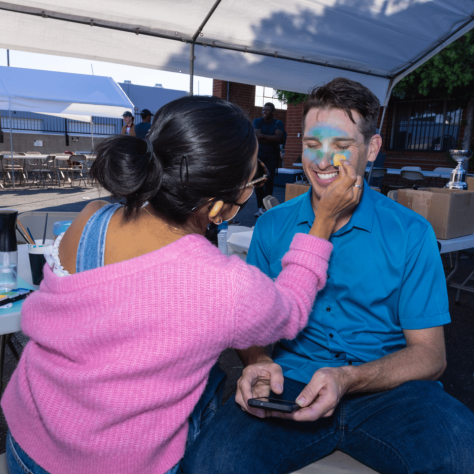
(458, 380)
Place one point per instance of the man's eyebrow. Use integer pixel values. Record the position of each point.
(336, 139)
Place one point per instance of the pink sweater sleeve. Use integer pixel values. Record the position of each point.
(266, 310)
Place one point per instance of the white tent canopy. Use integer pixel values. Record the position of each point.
(284, 44)
(73, 96)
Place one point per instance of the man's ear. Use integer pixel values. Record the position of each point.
(374, 147)
(215, 211)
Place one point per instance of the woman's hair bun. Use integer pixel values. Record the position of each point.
(128, 168)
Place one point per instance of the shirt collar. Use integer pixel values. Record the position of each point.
(362, 218)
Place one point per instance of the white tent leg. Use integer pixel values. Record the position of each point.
(11, 149)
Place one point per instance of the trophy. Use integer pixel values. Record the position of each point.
(458, 174)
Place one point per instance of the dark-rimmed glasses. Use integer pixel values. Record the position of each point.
(259, 179)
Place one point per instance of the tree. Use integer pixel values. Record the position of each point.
(448, 74)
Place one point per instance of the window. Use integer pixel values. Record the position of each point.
(426, 125)
(264, 95)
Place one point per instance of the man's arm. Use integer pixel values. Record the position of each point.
(424, 358)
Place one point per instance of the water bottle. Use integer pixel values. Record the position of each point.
(8, 250)
(222, 237)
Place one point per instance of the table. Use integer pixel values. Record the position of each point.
(458, 245)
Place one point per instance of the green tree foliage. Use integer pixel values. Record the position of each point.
(448, 74)
(292, 98)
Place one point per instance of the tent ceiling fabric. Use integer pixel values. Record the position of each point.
(290, 45)
(61, 94)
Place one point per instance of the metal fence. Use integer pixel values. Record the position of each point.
(29, 121)
(426, 125)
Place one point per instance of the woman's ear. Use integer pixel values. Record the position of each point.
(215, 211)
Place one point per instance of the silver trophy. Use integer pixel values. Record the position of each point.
(458, 175)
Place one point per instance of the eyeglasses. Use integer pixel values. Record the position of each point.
(259, 179)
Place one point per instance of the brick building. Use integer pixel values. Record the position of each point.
(415, 133)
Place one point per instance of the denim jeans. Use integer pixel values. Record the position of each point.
(211, 400)
(413, 429)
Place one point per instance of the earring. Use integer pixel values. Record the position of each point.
(218, 221)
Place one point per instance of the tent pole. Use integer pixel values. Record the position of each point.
(191, 69)
(11, 148)
(193, 42)
(384, 108)
(92, 135)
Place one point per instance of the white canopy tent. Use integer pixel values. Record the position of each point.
(72, 96)
(284, 44)
(290, 45)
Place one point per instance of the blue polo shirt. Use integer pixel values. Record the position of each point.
(385, 275)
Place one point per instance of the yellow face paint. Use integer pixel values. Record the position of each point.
(338, 158)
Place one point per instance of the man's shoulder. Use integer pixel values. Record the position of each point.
(282, 213)
(388, 209)
(257, 121)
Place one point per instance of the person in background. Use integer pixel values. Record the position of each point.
(129, 127)
(269, 133)
(119, 374)
(142, 128)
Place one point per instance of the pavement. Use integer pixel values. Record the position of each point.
(458, 379)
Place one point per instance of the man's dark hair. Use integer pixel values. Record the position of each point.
(346, 95)
(269, 104)
(201, 147)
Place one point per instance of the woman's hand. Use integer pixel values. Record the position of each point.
(341, 195)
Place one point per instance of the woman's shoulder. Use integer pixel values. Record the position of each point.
(70, 242)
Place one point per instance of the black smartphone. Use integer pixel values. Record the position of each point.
(273, 404)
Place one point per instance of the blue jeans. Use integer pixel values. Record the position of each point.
(211, 400)
(413, 429)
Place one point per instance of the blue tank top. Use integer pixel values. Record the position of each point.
(91, 248)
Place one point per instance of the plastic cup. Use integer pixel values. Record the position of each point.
(37, 260)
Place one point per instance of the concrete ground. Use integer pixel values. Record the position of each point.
(458, 380)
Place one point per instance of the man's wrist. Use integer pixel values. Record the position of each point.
(349, 377)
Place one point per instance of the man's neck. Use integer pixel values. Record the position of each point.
(268, 120)
(341, 220)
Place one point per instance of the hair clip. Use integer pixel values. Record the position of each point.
(184, 183)
(149, 147)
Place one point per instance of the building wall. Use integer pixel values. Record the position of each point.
(244, 96)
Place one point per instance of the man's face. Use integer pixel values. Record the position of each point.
(267, 112)
(327, 133)
(127, 120)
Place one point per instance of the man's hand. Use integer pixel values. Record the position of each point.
(257, 380)
(320, 397)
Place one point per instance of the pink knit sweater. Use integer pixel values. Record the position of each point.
(120, 355)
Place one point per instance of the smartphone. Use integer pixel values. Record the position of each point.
(273, 404)
(14, 295)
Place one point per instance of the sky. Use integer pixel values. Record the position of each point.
(119, 72)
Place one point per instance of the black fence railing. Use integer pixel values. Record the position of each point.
(30, 121)
(426, 125)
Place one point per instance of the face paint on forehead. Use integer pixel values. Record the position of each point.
(325, 131)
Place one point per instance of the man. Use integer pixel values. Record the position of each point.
(141, 130)
(129, 127)
(269, 133)
(363, 371)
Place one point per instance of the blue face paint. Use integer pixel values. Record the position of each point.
(325, 134)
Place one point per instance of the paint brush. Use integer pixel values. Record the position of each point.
(23, 233)
(45, 226)
(31, 235)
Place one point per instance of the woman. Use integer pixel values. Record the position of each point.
(127, 326)
(129, 127)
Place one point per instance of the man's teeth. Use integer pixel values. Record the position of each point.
(326, 175)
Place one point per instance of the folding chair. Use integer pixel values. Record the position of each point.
(412, 176)
(269, 202)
